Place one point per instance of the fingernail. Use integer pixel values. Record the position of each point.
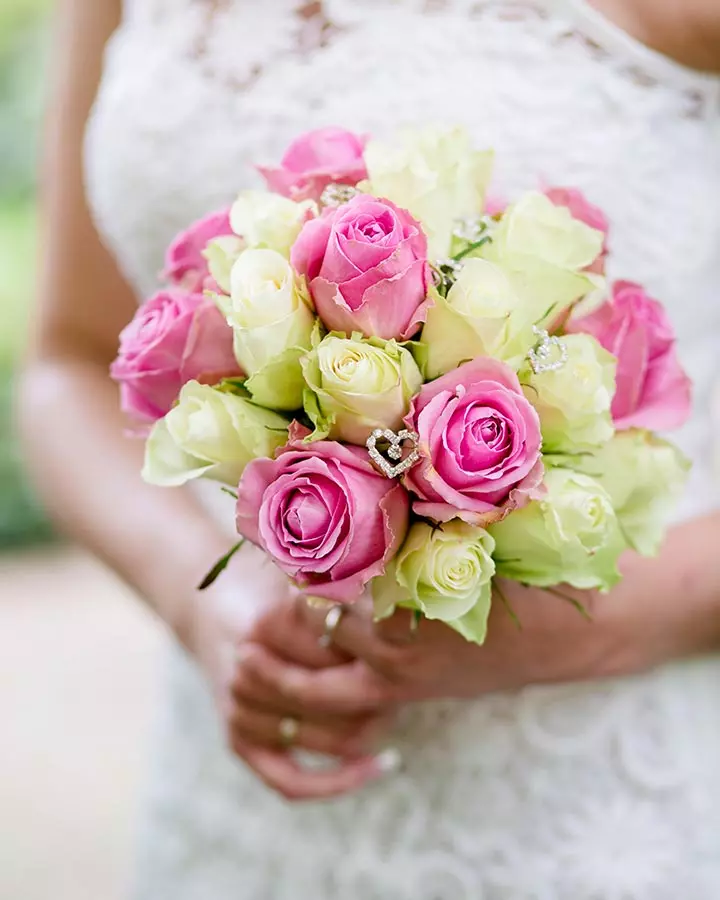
(388, 762)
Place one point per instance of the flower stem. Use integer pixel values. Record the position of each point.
(472, 247)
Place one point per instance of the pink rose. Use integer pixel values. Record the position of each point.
(652, 390)
(479, 442)
(581, 209)
(315, 160)
(174, 338)
(366, 264)
(324, 515)
(185, 265)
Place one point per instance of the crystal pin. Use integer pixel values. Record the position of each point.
(549, 354)
(338, 194)
(394, 451)
(470, 230)
(446, 271)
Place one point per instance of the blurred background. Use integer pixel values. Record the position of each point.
(77, 653)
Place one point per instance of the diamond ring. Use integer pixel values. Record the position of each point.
(332, 620)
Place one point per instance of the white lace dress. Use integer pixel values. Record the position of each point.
(607, 791)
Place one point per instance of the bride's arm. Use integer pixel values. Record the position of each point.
(685, 30)
(68, 408)
(665, 608)
(160, 542)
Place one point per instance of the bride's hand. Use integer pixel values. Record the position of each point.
(249, 614)
(664, 609)
(554, 643)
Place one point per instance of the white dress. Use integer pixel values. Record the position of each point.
(607, 791)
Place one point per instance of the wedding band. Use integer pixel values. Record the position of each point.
(332, 620)
(288, 730)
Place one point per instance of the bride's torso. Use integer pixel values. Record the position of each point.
(196, 92)
(543, 791)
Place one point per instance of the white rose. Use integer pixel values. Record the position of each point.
(544, 250)
(574, 401)
(268, 310)
(355, 385)
(481, 316)
(221, 254)
(268, 220)
(435, 174)
(211, 434)
(445, 572)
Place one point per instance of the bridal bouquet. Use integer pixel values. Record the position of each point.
(410, 388)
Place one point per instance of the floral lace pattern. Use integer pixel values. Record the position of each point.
(581, 792)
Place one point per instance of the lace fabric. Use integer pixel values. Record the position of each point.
(582, 792)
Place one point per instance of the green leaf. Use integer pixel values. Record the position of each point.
(233, 386)
(508, 607)
(573, 601)
(419, 353)
(219, 567)
(321, 424)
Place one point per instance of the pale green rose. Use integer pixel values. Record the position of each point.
(446, 573)
(644, 477)
(280, 383)
(574, 401)
(221, 254)
(535, 226)
(571, 536)
(435, 174)
(355, 385)
(210, 433)
(481, 316)
(543, 249)
(269, 220)
(269, 312)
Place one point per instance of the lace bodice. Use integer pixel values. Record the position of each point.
(594, 792)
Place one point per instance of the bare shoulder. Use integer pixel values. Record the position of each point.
(687, 31)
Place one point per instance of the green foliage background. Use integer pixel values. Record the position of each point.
(23, 51)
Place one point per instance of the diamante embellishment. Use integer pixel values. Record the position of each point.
(470, 230)
(338, 194)
(446, 271)
(394, 451)
(549, 354)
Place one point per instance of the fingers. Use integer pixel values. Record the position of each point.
(283, 629)
(384, 646)
(401, 628)
(283, 774)
(347, 690)
(343, 738)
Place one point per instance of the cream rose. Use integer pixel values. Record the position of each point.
(574, 401)
(356, 385)
(269, 220)
(272, 323)
(221, 255)
(570, 536)
(436, 174)
(544, 250)
(644, 477)
(211, 434)
(446, 573)
(482, 315)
